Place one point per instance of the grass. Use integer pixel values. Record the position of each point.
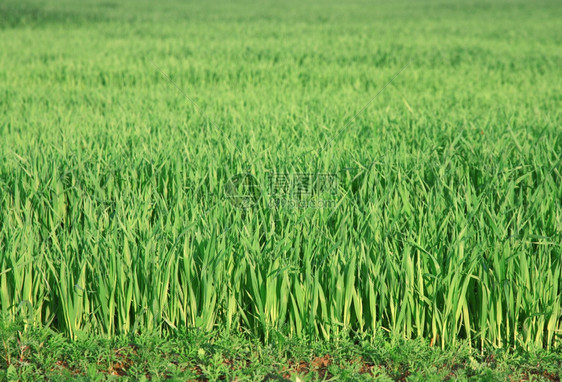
(196, 356)
(114, 215)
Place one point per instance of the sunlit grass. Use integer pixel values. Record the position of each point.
(448, 222)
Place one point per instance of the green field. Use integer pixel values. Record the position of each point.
(124, 126)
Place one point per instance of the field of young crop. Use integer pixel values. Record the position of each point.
(307, 170)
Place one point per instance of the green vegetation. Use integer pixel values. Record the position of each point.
(195, 356)
(447, 225)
